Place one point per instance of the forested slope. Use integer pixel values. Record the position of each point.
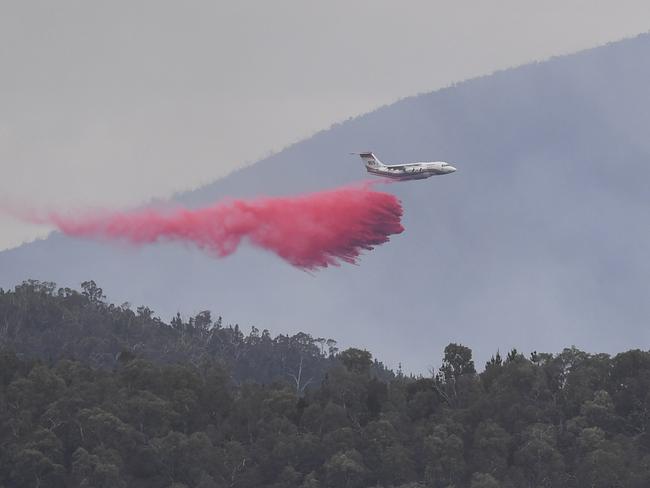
(182, 419)
(39, 320)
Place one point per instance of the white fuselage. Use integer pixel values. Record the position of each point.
(406, 171)
(411, 171)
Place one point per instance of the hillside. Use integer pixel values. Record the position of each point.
(41, 321)
(538, 241)
(569, 420)
(94, 394)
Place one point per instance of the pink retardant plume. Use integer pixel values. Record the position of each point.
(310, 231)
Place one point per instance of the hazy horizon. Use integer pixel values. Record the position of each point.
(144, 101)
(534, 243)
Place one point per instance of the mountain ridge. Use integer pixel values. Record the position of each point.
(539, 226)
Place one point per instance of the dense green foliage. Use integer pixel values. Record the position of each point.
(568, 420)
(37, 320)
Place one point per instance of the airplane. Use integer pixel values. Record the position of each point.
(406, 171)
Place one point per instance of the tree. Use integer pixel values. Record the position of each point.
(310, 481)
(203, 320)
(484, 480)
(92, 292)
(538, 457)
(457, 362)
(345, 469)
(90, 470)
(491, 448)
(356, 360)
(297, 377)
(456, 374)
(445, 460)
(31, 468)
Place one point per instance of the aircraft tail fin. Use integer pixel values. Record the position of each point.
(370, 160)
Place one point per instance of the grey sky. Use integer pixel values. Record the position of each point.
(114, 103)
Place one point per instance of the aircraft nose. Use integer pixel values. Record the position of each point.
(451, 169)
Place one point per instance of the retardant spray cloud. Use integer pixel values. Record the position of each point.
(309, 231)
